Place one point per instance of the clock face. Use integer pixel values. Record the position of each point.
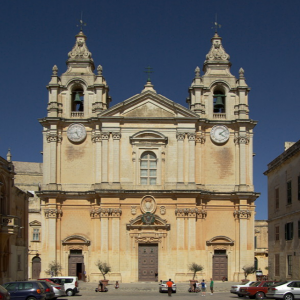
(219, 134)
(76, 132)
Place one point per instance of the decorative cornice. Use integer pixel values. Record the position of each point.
(53, 137)
(242, 214)
(105, 212)
(52, 213)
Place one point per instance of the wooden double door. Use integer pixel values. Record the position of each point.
(148, 262)
(220, 266)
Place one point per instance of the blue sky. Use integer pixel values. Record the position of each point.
(172, 37)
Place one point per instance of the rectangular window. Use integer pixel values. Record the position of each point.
(276, 233)
(289, 264)
(289, 230)
(276, 264)
(255, 242)
(19, 262)
(289, 192)
(277, 198)
(36, 234)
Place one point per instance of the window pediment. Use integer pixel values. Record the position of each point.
(149, 136)
(221, 239)
(75, 239)
(35, 223)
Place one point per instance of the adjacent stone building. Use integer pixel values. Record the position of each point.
(13, 225)
(284, 213)
(146, 185)
(261, 246)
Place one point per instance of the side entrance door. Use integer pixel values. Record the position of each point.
(220, 267)
(148, 262)
(36, 267)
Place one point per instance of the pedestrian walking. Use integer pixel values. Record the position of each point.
(203, 288)
(211, 286)
(170, 285)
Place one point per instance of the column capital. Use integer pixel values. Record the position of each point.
(180, 136)
(191, 136)
(241, 138)
(53, 137)
(105, 212)
(242, 214)
(200, 137)
(96, 136)
(52, 213)
(116, 135)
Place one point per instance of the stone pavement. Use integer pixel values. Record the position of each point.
(219, 286)
(149, 290)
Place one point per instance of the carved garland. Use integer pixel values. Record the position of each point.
(148, 238)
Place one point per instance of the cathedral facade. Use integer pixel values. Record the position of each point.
(147, 185)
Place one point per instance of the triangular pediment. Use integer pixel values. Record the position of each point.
(148, 105)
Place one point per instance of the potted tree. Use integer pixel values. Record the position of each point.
(104, 268)
(247, 271)
(194, 268)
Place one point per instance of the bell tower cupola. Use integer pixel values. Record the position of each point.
(78, 93)
(217, 94)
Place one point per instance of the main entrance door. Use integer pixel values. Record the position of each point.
(36, 267)
(148, 262)
(76, 264)
(220, 266)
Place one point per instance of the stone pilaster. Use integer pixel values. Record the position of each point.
(53, 138)
(116, 156)
(180, 161)
(191, 173)
(242, 139)
(105, 137)
(97, 140)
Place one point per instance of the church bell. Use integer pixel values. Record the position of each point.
(219, 104)
(77, 98)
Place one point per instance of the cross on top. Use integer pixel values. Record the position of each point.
(148, 71)
(216, 24)
(81, 23)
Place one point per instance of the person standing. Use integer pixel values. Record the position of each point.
(211, 286)
(169, 285)
(203, 288)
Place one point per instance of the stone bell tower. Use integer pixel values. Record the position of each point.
(225, 155)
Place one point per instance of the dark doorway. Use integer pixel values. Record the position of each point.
(148, 262)
(220, 265)
(36, 267)
(76, 264)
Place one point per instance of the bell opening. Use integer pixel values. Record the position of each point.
(219, 102)
(77, 100)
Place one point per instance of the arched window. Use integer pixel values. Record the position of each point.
(219, 101)
(255, 263)
(148, 168)
(77, 99)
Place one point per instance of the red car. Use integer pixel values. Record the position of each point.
(257, 289)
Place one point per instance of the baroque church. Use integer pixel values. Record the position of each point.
(147, 185)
